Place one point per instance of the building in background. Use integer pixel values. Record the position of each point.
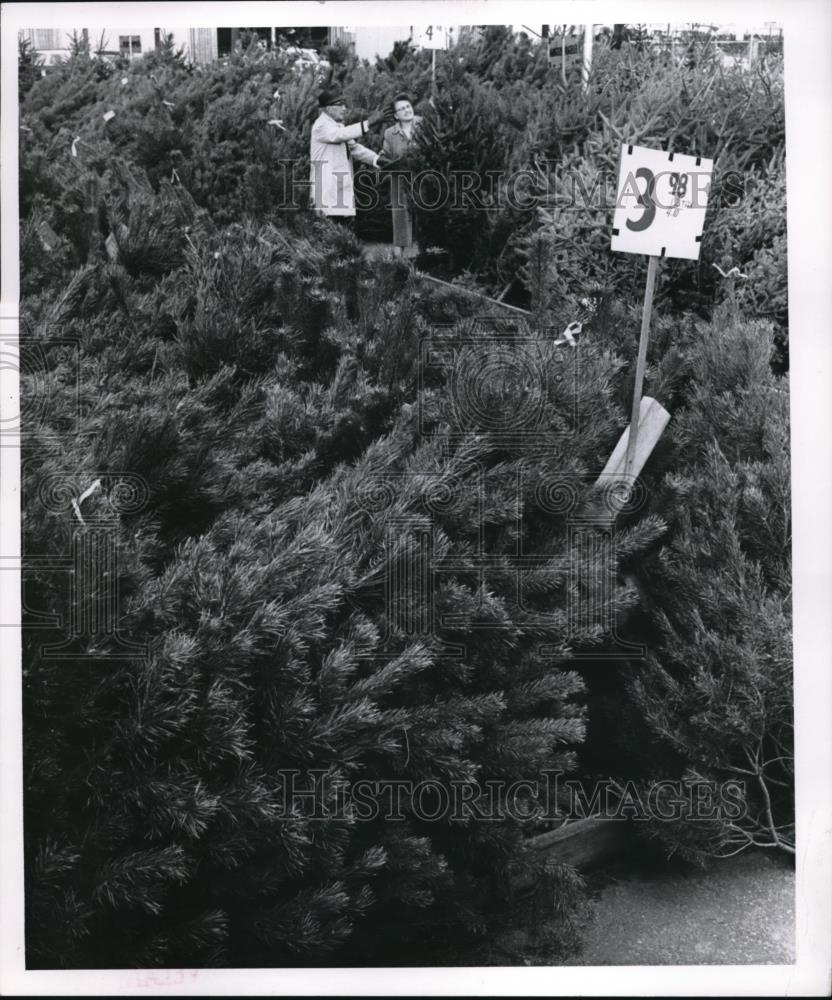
(199, 45)
(204, 45)
(371, 42)
(55, 44)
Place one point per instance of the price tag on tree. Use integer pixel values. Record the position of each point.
(434, 36)
(661, 202)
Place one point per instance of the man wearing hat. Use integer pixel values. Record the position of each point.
(332, 147)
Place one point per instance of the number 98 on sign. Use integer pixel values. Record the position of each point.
(661, 202)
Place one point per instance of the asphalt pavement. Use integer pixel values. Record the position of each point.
(739, 911)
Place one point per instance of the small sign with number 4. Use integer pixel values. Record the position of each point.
(661, 202)
(434, 36)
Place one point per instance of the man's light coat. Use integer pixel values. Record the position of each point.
(332, 148)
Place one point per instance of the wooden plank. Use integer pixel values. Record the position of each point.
(614, 486)
(476, 295)
(653, 418)
(584, 844)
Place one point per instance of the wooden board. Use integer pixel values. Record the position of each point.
(471, 294)
(584, 844)
(653, 418)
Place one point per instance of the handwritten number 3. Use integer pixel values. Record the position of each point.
(645, 200)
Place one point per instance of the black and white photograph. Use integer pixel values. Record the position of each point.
(415, 459)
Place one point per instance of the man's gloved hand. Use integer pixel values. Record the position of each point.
(384, 114)
(407, 162)
(385, 162)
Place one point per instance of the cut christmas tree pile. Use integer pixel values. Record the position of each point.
(351, 558)
(296, 449)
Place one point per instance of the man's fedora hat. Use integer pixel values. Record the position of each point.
(330, 96)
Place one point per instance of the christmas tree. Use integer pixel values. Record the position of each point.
(716, 686)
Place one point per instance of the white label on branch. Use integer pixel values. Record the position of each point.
(108, 115)
(661, 202)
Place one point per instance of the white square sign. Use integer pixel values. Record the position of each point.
(661, 201)
(432, 36)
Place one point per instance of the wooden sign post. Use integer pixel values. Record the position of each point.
(641, 364)
(660, 211)
(586, 68)
(433, 37)
(569, 53)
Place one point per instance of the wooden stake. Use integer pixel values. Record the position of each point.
(587, 61)
(640, 363)
(433, 73)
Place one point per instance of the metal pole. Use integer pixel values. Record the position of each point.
(632, 439)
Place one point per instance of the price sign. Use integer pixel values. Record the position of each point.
(434, 36)
(661, 202)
